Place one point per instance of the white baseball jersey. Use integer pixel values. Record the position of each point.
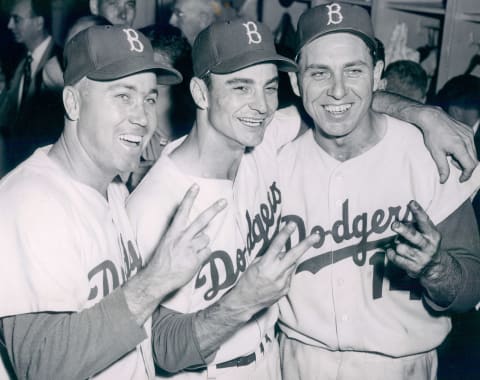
(344, 296)
(237, 235)
(65, 247)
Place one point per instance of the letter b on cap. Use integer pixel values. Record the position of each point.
(254, 37)
(133, 40)
(334, 15)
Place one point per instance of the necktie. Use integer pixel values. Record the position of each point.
(27, 78)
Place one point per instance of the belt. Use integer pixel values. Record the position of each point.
(241, 361)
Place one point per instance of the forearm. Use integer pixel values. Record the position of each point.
(193, 339)
(145, 291)
(399, 107)
(71, 345)
(452, 282)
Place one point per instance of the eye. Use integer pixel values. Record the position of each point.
(354, 72)
(124, 98)
(241, 89)
(152, 100)
(271, 89)
(319, 74)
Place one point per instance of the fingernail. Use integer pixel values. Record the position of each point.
(195, 187)
(291, 226)
(413, 204)
(222, 203)
(395, 225)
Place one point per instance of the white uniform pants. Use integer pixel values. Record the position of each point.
(304, 362)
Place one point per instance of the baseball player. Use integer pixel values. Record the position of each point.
(235, 90)
(76, 291)
(231, 153)
(368, 301)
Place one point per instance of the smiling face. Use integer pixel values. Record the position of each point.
(116, 120)
(336, 81)
(242, 104)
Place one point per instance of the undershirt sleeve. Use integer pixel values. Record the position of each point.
(78, 345)
(175, 343)
(461, 239)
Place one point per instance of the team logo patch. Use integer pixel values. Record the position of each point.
(254, 37)
(133, 40)
(334, 14)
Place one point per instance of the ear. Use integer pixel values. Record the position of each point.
(94, 7)
(40, 22)
(382, 84)
(377, 75)
(294, 82)
(71, 102)
(199, 92)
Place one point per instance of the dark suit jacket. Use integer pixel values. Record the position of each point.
(40, 119)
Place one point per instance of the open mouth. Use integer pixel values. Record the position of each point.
(131, 140)
(251, 122)
(337, 110)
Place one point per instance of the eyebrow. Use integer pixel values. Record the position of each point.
(235, 81)
(348, 64)
(131, 88)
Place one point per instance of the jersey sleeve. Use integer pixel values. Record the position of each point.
(40, 252)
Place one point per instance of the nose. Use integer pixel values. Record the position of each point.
(259, 103)
(174, 20)
(337, 89)
(122, 12)
(11, 24)
(138, 116)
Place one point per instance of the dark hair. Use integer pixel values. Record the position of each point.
(168, 40)
(405, 77)
(462, 91)
(43, 8)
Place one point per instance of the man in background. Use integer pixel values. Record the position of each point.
(25, 113)
(117, 12)
(192, 16)
(406, 78)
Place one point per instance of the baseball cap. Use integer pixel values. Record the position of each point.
(228, 46)
(335, 18)
(110, 52)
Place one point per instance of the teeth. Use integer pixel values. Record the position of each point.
(133, 139)
(337, 109)
(251, 121)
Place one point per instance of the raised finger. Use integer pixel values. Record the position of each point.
(204, 218)
(409, 234)
(277, 245)
(183, 210)
(423, 221)
(292, 256)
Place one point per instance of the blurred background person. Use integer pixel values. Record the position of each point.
(25, 110)
(117, 12)
(192, 16)
(406, 78)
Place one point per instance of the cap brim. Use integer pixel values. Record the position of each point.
(165, 75)
(253, 58)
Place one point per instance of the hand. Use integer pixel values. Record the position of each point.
(417, 249)
(445, 137)
(182, 250)
(268, 278)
